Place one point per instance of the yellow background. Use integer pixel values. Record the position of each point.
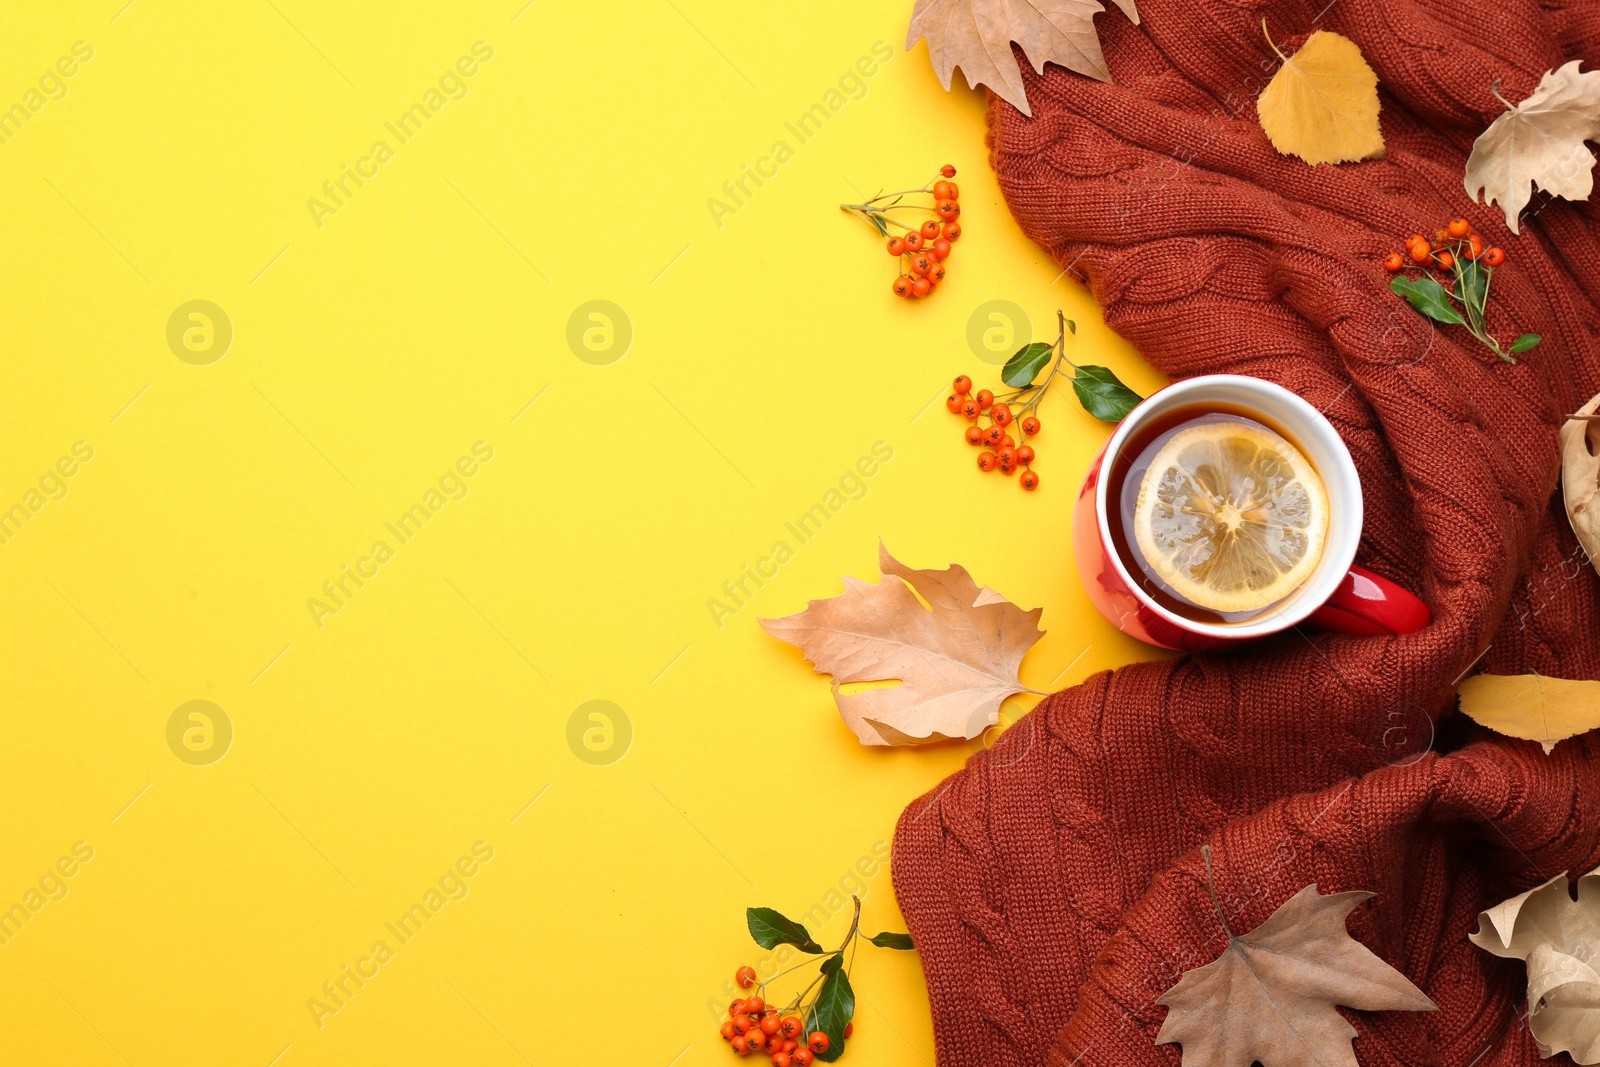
(368, 354)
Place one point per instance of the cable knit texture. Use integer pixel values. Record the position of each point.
(1054, 885)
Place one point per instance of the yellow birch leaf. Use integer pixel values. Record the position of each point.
(1531, 706)
(1322, 105)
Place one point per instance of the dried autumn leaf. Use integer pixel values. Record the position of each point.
(1270, 996)
(1558, 938)
(1580, 477)
(956, 659)
(1322, 105)
(1539, 142)
(1531, 706)
(976, 36)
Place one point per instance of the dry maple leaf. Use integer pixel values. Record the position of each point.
(956, 659)
(1531, 706)
(976, 36)
(1580, 477)
(1539, 142)
(1322, 105)
(1559, 940)
(1270, 996)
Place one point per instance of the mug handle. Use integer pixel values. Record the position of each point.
(1366, 605)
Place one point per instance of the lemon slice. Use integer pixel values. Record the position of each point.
(1231, 516)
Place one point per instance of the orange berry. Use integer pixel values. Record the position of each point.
(740, 1045)
(1441, 235)
(1421, 252)
(902, 286)
(993, 436)
(987, 461)
(1446, 260)
(922, 263)
(1474, 247)
(1459, 228)
(921, 287)
(1393, 262)
(792, 1026)
(1007, 456)
(736, 1009)
(1030, 425)
(769, 1025)
(801, 1057)
(953, 402)
(941, 191)
(948, 210)
(1030, 481)
(897, 246)
(782, 1059)
(818, 1042)
(955, 192)
(913, 241)
(727, 1031)
(755, 1040)
(753, 1006)
(984, 398)
(1494, 257)
(745, 977)
(1007, 442)
(849, 1028)
(940, 248)
(948, 171)
(929, 229)
(962, 384)
(1024, 454)
(1000, 414)
(951, 231)
(974, 435)
(970, 408)
(936, 275)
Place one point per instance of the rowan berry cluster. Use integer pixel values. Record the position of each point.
(1450, 243)
(923, 248)
(814, 1025)
(1459, 254)
(755, 1027)
(1000, 451)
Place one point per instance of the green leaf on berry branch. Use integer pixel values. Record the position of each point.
(836, 1004)
(771, 929)
(1428, 297)
(888, 939)
(1525, 342)
(1474, 284)
(1022, 368)
(1102, 393)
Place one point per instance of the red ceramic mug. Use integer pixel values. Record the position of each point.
(1336, 596)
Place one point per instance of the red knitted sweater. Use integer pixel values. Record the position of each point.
(1054, 886)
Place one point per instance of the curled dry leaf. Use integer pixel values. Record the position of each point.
(1580, 477)
(976, 36)
(1270, 996)
(1531, 706)
(956, 659)
(1322, 105)
(1558, 938)
(1539, 142)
